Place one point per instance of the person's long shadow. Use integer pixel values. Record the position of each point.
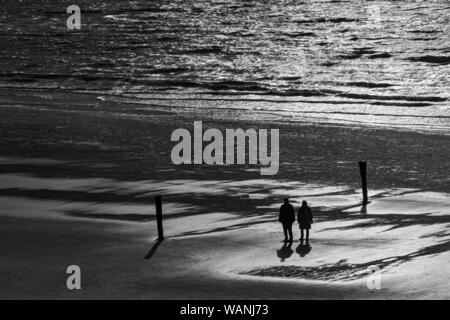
(303, 250)
(285, 251)
(153, 250)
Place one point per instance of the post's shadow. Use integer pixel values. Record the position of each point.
(303, 250)
(285, 251)
(153, 249)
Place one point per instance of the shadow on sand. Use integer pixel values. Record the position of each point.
(153, 249)
(285, 251)
(303, 250)
(259, 208)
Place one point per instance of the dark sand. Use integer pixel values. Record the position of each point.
(132, 142)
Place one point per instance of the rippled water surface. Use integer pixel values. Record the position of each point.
(355, 61)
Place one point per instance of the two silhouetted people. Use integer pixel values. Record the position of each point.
(287, 218)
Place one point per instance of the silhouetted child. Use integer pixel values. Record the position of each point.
(304, 218)
(287, 218)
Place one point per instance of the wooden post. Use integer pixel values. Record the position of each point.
(363, 172)
(158, 204)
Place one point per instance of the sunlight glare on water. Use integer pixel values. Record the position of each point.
(383, 63)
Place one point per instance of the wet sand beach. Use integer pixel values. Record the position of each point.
(77, 181)
(86, 118)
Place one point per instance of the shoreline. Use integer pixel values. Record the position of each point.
(132, 143)
(247, 106)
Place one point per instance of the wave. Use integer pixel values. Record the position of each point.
(443, 60)
(115, 12)
(383, 55)
(387, 97)
(368, 84)
(208, 50)
(325, 20)
(240, 87)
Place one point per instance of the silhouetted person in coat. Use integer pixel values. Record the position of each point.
(304, 218)
(287, 218)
